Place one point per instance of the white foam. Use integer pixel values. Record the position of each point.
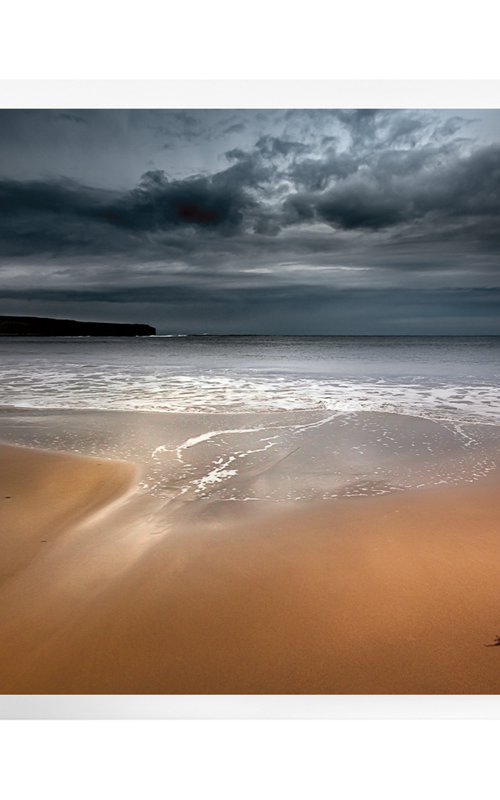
(204, 437)
(110, 388)
(218, 474)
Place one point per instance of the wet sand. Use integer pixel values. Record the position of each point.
(43, 493)
(396, 593)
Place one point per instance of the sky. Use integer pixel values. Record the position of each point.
(256, 222)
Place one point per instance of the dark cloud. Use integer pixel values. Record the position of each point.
(404, 187)
(326, 205)
(71, 117)
(397, 187)
(219, 202)
(62, 215)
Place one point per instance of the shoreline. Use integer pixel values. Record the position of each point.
(388, 594)
(267, 457)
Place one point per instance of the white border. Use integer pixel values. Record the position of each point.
(455, 94)
(80, 94)
(249, 706)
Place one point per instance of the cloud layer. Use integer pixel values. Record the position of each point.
(342, 208)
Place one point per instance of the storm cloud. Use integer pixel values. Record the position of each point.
(299, 221)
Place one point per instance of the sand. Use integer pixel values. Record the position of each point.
(391, 594)
(42, 493)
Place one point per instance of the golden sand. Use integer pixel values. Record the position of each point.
(42, 493)
(390, 594)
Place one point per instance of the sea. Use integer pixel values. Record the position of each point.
(274, 417)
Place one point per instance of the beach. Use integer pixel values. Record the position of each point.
(250, 515)
(396, 593)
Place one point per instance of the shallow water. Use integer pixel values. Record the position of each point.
(278, 457)
(263, 418)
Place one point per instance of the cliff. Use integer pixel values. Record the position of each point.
(44, 326)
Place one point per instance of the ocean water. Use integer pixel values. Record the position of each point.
(276, 418)
(437, 377)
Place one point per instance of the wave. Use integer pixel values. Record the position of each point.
(117, 389)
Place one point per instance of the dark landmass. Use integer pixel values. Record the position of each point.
(44, 326)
